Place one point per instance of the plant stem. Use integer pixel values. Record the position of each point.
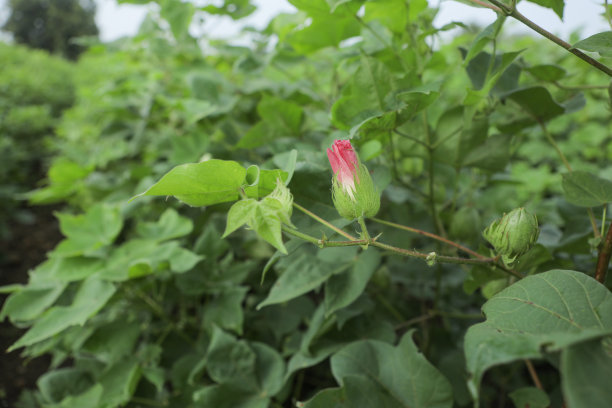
(604, 257)
(399, 251)
(322, 221)
(364, 229)
(323, 243)
(430, 235)
(554, 144)
(533, 374)
(514, 13)
(414, 139)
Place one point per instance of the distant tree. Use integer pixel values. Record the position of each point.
(52, 24)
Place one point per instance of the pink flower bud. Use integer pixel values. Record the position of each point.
(345, 165)
(353, 190)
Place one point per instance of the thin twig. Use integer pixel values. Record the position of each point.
(533, 374)
(514, 13)
(430, 235)
(322, 221)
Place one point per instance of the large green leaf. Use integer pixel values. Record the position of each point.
(170, 225)
(556, 5)
(537, 102)
(393, 14)
(585, 189)
(541, 313)
(178, 14)
(343, 288)
(253, 370)
(302, 275)
(600, 42)
(88, 232)
(198, 184)
(326, 29)
(89, 299)
(280, 118)
(376, 374)
(29, 302)
(586, 371)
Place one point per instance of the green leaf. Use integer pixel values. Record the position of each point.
(65, 178)
(529, 397)
(89, 398)
(29, 302)
(585, 189)
(547, 72)
(90, 298)
(600, 42)
(85, 233)
(170, 225)
(223, 396)
(178, 14)
(58, 384)
(556, 5)
(119, 383)
(393, 14)
(113, 341)
(540, 313)
(536, 102)
(343, 288)
(302, 275)
(225, 309)
(246, 367)
(280, 118)
(492, 155)
(239, 214)
(326, 29)
(74, 269)
(231, 362)
(198, 184)
(489, 33)
(329, 398)
(586, 369)
(363, 98)
(376, 374)
(267, 225)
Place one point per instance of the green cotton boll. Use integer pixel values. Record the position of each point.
(513, 235)
(366, 198)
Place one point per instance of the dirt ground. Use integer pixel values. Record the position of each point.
(23, 250)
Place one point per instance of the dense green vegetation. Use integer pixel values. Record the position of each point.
(187, 278)
(31, 102)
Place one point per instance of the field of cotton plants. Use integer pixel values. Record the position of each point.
(352, 207)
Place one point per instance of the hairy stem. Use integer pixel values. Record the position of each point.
(514, 13)
(430, 235)
(323, 243)
(322, 221)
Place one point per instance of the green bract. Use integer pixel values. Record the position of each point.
(514, 234)
(366, 202)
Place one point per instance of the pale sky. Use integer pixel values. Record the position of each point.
(117, 20)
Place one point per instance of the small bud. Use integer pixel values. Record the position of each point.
(431, 259)
(513, 235)
(282, 200)
(353, 190)
(283, 195)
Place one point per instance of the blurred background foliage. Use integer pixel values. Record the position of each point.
(142, 303)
